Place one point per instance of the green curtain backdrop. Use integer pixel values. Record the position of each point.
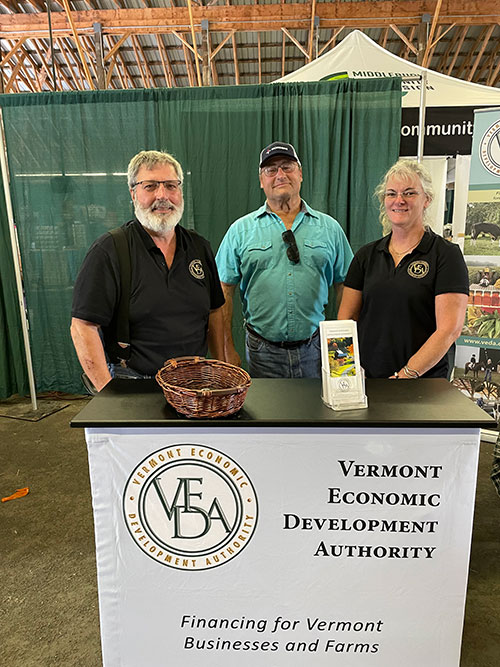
(13, 372)
(68, 154)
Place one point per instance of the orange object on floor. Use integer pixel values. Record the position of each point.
(18, 494)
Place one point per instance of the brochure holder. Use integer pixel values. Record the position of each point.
(341, 372)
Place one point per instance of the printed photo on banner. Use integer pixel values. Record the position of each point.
(482, 228)
(477, 358)
(477, 375)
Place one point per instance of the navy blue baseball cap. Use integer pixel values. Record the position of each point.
(278, 148)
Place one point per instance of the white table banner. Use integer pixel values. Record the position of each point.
(282, 547)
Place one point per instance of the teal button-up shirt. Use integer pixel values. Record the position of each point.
(281, 300)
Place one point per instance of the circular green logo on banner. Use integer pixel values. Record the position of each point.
(489, 149)
(190, 507)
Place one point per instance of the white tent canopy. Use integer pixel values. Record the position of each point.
(359, 57)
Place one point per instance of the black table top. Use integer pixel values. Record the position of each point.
(282, 402)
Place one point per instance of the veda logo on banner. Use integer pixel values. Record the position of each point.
(190, 507)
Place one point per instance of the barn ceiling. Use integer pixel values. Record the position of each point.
(116, 44)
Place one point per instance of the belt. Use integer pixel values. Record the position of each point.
(286, 345)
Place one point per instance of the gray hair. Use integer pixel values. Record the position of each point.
(405, 170)
(151, 159)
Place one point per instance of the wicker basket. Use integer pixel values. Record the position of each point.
(199, 387)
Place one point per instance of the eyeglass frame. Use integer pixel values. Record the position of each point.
(291, 165)
(292, 250)
(409, 193)
(178, 184)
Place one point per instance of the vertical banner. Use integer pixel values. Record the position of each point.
(477, 363)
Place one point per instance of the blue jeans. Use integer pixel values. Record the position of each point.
(269, 361)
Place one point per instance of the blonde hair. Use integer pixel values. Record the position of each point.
(151, 159)
(405, 170)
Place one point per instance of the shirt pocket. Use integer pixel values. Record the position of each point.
(316, 253)
(259, 255)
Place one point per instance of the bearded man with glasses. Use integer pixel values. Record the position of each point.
(285, 256)
(174, 297)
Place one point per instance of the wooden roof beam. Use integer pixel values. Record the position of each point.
(166, 73)
(184, 41)
(117, 45)
(188, 62)
(283, 55)
(61, 73)
(37, 69)
(458, 47)
(444, 57)
(25, 77)
(494, 76)
(296, 42)
(235, 60)
(120, 60)
(77, 42)
(170, 69)
(331, 41)
(468, 58)
(383, 38)
(259, 57)
(435, 18)
(146, 64)
(219, 47)
(75, 85)
(403, 37)
(195, 48)
(213, 66)
(311, 32)
(8, 55)
(51, 84)
(139, 66)
(442, 33)
(404, 48)
(14, 72)
(88, 47)
(78, 67)
(9, 6)
(477, 60)
(486, 64)
(253, 18)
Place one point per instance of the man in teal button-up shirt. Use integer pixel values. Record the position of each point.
(284, 256)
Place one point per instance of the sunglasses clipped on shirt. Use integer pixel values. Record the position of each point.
(292, 252)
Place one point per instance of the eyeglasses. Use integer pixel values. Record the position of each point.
(152, 186)
(406, 194)
(292, 252)
(286, 167)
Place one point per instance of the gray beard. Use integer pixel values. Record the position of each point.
(158, 223)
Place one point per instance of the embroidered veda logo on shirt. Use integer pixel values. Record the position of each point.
(418, 269)
(196, 269)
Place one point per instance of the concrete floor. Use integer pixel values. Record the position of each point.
(48, 592)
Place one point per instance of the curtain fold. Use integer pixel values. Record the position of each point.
(13, 373)
(68, 154)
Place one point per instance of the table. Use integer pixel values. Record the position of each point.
(286, 535)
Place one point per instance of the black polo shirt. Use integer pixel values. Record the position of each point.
(169, 308)
(397, 314)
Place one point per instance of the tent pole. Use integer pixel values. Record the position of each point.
(16, 259)
(421, 118)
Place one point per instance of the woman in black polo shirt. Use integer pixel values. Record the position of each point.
(408, 291)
